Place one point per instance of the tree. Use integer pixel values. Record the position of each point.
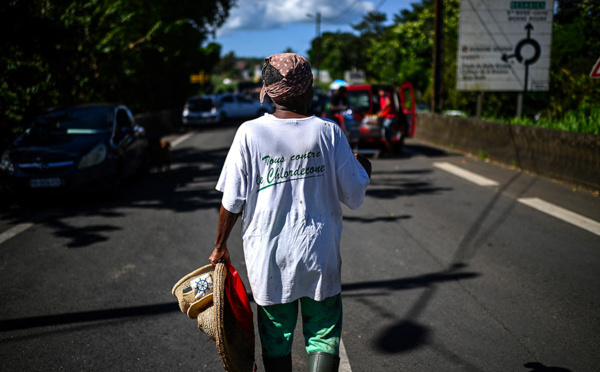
(575, 48)
(371, 31)
(137, 52)
(372, 26)
(343, 53)
(404, 50)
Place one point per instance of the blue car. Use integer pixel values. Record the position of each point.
(218, 109)
(75, 149)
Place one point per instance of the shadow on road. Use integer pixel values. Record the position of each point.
(539, 367)
(409, 283)
(375, 219)
(87, 316)
(395, 183)
(429, 151)
(188, 187)
(386, 189)
(405, 333)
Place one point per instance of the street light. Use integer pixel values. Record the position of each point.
(318, 43)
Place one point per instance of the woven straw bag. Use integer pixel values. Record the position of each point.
(216, 319)
(202, 309)
(235, 348)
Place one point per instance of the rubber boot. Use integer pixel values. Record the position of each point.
(283, 364)
(323, 362)
(389, 149)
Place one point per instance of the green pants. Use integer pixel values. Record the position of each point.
(321, 326)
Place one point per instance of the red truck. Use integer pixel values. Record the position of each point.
(364, 129)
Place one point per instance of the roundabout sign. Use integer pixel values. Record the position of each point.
(504, 45)
(523, 44)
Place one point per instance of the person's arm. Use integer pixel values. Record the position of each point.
(364, 162)
(388, 103)
(226, 222)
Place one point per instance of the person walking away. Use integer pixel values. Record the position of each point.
(287, 174)
(338, 102)
(387, 116)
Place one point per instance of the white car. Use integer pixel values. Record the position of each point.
(212, 109)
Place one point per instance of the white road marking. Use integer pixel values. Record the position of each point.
(178, 140)
(14, 231)
(539, 204)
(467, 175)
(344, 362)
(563, 214)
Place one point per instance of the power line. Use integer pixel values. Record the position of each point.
(380, 4)
(349, 7)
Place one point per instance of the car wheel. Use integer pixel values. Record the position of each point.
(222, 118)
(114, 186)
(145, 166)
(400, 135)
(399, 146)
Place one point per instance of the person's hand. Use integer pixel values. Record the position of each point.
(226, 222)
(219, 253)
(364, 162)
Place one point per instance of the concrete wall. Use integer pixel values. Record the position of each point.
(572, 157)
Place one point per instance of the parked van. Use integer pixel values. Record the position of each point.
(364, 130)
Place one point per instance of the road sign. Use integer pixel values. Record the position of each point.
(504, 45)
(201, 78)
(354, 76)
(595, 74)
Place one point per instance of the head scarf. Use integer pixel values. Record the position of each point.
(297, 77)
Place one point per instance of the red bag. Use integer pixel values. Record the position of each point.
(238, 300)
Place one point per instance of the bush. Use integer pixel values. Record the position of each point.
(585, 119)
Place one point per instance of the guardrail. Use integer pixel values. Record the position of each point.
(567, 156)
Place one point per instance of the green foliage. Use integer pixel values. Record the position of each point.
(575, 45)
(337, 52)
(585, 119)
(404, 50)
(241, 73)
(372, 25)
(140, 53)
(372, 31)
(341, 52)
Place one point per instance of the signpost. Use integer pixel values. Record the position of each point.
(201, 78)
(504, 45)
(595, 74)
(354, 76)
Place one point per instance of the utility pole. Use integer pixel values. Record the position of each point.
(438, 57)
(317, 43)
(318, 46)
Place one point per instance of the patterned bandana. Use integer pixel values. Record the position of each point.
(297, 77)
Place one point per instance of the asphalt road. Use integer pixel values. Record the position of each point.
(440, 273)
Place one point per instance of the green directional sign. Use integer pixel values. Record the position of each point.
(504, 45)
(533, 5)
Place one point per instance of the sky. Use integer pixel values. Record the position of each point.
(260, 28)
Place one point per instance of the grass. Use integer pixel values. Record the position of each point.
(483, 155)
(584, 120)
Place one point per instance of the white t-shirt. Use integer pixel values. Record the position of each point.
(288, 176)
